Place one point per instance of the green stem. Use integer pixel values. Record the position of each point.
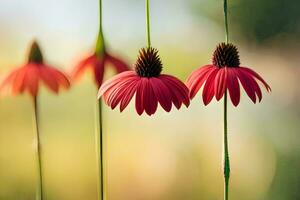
(226, 152)
(100, 154)
(100, 46)
(148, 23)
(38, 150)
(226, 21)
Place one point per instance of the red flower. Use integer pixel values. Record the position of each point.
(225, 73)
(28, 77)
(147, 84)
(98, 63)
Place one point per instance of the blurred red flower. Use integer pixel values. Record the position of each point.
(149, 86)
(225, 73)
(98, 64)
(28, 77)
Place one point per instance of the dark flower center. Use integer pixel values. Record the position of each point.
(226, 55)
(35, 54)
(148, 63)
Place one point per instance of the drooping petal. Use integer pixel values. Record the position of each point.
(119, 65)
(149, 98)
(18, 82)
(233, 86)
(9, 79)
(31, 80)
(220, 83)
(83, 65)
(139, 104)
(152, 100)
(14, 80)
(99, 72)
(180, 93)
(257, 76)
(119, 92)
(49, 79)
(61, 78)
(109, 95)
(208, 90)
(115, 80)
(162, 93)
(196, 73)
(255, 87)
(247, 84)
(197, 79)
(130, 91)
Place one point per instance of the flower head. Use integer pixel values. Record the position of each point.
(149, 86)
(97, 62)
(28, 77)
(225, 74)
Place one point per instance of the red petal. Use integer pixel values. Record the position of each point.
(99, 72)
(153, 100)
(18, 81)
(139, 104)
(255, 87)
(119, 65)
(31, 80)
(82, 66)
(111, 94)
(128, 96)
(233, 86)
(253, 73)
(149, 99)
(197, 78)
(162, 93)
(115, 80)
(196, 73)
(8, 80)
(60, 77)
(49, 78)
(119, 92)
(208, 90)
(14, 80)
(220, 83)
(180, 93)
(247, 84)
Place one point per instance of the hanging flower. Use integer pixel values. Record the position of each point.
(149, 86)
(28, 77)
(98, 62)
(225, 73)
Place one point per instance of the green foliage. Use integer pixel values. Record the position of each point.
(260, 20)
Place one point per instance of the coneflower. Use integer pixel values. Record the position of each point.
(28, 78)
(224, 74)
(146, 82)
(98, 61)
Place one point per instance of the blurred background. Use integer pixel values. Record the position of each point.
(174, 155)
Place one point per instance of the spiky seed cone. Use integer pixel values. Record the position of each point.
(148, 63)
(226, 55)
(35, 54)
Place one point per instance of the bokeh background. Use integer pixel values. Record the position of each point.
(174, 155)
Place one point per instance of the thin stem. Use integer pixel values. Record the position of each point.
(100, 16)
(226, 152)
(148, 23)
(100, 152)
(100, 46)
(38, 150)
(226, 21)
